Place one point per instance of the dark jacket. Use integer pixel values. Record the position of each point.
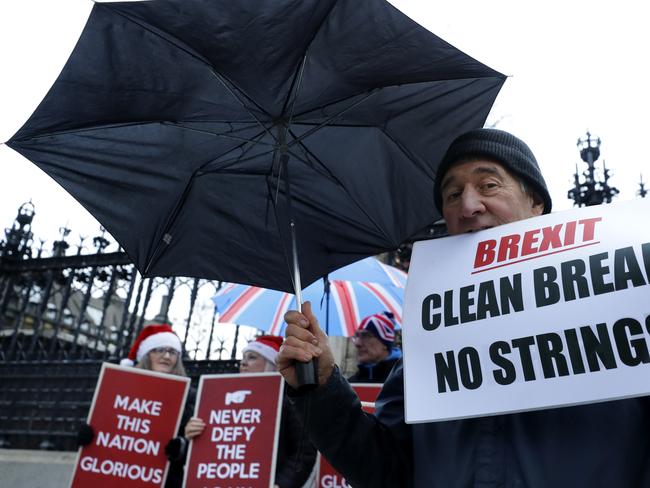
(296, 455)
(376, 372)
(599, 445)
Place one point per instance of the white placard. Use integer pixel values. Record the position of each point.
(549, 311)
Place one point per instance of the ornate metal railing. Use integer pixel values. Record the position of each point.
(62, 315)
(43, 403)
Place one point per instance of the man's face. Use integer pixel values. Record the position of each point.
(370, 350)
(480, 194)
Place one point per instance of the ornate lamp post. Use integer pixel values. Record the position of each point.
(60, 246)
(587, 189)
(642, 189)
(19, 238)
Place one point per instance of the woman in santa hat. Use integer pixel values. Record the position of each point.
(260, 354)
(158, 348)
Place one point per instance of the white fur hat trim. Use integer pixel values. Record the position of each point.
(263, 350)
(161, 339)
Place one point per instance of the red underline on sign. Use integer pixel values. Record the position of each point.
(535, 257)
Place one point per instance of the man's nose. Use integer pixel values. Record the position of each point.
(471, 203)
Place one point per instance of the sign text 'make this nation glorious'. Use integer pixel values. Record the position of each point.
(544, 312)
(134, 414)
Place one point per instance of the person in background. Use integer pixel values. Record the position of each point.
(157, 348)
(296, 455)
(376, 351)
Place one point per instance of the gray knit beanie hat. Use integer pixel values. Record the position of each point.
(501, 147)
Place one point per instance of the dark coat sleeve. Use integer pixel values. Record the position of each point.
(368, 450)
(296, 454)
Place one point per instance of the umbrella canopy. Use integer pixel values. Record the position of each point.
(355, 291)
(182, 125)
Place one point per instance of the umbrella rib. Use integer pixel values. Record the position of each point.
(222, 80)
(360, 126)
(335, 116)
(251, 141)
(334, 179)
(165, 238)
(88, 129)
(247, 149)
(224, 135)
(284, 129)
(129, 124)
(293, 94)
(202, 171)
(297, 77)
(291, 101)
(228, 84)
(343, 99)
(416, 162)
(323, 170)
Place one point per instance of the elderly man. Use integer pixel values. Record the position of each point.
(376, 351)
(487, 178)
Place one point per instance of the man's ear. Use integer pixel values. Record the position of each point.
(537, 204)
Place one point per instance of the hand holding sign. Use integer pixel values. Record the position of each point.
(195, 426)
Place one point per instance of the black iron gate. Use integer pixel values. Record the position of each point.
(62, 314)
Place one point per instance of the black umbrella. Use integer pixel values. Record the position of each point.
(183, 125)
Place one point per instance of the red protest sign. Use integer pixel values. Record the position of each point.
(328, 477)
(367, 393)
(239, 444)
(134, 413)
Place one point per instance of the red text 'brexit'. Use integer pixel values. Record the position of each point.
(535, 243)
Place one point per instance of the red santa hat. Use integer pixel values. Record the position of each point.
(151, 337)
(267, 346)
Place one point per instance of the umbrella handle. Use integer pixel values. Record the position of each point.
(306, 373)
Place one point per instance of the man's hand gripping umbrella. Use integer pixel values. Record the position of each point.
(305, 341)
